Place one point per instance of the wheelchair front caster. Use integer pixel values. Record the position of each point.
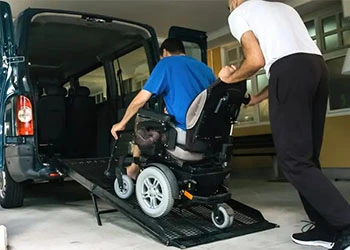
(222, 216)
(128, 187)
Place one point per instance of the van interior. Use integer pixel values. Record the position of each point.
(84, 71)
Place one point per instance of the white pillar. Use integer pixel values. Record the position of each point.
(3, 237)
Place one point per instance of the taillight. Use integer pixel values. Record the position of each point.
(24, 116)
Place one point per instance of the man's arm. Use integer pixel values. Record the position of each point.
(254, 60)
(138, 102)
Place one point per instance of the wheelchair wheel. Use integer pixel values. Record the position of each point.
(154, 192)
(223, 216)
(128, 187)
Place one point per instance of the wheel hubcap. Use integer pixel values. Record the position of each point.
(125, 188)
(152, 192)
(219, 218)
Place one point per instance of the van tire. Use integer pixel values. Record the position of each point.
(11, 192)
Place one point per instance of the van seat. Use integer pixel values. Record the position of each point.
(52, 119)
(81, 124)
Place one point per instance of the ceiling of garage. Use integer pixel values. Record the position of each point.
(207, 15)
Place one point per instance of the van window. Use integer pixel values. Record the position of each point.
(132, 71)
(193, 50)
(248, 114)
(96, 82)
(339, 87)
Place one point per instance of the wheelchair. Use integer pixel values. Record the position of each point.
(186, 168)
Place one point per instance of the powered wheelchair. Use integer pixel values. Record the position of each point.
(183, 168)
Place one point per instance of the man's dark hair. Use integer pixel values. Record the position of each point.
(173, 45)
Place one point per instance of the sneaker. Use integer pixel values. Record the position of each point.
(343, 241)
(314, 236)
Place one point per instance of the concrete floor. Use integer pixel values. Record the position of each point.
(61, 217)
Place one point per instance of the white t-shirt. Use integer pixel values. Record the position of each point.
(278, 27)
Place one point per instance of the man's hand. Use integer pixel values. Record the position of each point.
(139, 101)
(115, 128)
(226, 72)
(254, 99)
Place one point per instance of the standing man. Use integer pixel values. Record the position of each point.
(179, 79)
(273, 35)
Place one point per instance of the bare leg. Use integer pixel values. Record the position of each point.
(133, 170)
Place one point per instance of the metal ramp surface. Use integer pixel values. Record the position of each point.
(182, 227)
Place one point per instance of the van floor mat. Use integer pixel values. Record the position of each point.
(182, 227)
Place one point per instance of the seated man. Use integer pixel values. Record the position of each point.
(179, 79)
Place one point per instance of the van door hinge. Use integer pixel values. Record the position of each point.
(11, 60)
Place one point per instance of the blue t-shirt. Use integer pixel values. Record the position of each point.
(179, 79)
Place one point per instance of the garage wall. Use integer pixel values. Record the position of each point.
(214, 59)
(336, 142)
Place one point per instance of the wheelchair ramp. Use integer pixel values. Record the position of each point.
(181, 228)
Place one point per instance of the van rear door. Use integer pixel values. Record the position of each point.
(7, 45)
(195, 41)
(9, 79)
(8, 62)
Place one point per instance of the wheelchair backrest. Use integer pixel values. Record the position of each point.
(211, 114)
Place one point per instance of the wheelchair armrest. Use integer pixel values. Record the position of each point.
(150, 114)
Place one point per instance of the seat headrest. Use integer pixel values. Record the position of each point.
(54, 90)
(48, 81)
(38, 90)
(81, 91)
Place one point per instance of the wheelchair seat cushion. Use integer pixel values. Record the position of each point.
(184, 155)
(181, 136)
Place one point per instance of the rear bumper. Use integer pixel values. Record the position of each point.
(20, 164)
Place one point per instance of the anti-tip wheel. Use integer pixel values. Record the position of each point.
(223, 216)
